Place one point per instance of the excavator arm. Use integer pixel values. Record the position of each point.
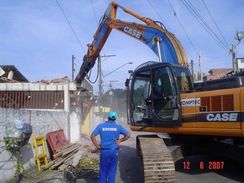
(163, 43)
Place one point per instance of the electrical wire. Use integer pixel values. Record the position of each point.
(97, 21)
(201, 21)
(94, 12)
(76, 36)
(215, 23)
(183, 28)
(205, 23)
(70, 25)
(154, 9)
(208, 28)
(195, 14)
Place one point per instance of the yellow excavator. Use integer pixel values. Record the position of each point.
(162, 98)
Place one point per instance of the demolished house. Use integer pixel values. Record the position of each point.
(47, 105)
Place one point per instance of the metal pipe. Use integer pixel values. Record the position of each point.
(100, 86)
(159, 50)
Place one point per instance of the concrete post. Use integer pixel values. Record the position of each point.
(67, 108)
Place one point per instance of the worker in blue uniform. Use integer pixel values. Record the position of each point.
(109, 132)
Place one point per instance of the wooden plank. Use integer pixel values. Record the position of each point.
(61, 160)
(65, 152)
(65, 147)
(70, 159)
(77, 157)
(67, 162)
(63, 167)
(58, 163)
(49, 164)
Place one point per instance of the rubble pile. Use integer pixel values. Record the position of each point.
(88, 168)
(72, 155)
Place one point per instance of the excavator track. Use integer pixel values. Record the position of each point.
(158, 164)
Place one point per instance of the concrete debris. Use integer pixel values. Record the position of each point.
(56, 80)
(6, 80)
(71, 155)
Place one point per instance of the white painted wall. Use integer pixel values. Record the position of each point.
(42, 121)
(75, 125)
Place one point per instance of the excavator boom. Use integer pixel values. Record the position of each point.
(163, 43)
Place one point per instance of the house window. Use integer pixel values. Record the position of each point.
(32, 99)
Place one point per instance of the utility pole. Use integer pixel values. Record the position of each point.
(200, 68)
(192, 69)
(73, 67)
(100, 87)
(100, 82)
(233, 53)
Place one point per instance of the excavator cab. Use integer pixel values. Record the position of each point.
(153, 96)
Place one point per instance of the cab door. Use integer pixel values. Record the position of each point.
(137, 91)
(154, 98)
(164, 98)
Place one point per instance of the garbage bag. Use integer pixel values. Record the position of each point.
(19, 130)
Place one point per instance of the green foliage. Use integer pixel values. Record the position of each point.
(88, 163)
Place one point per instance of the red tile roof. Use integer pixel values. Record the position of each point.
(218, 73)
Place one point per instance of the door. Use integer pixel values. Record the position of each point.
(154, 98)
(140, 90)
(164, 98)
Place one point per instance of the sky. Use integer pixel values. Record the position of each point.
(36, 38)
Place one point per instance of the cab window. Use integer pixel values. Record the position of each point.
(184, 81)
(162, 83)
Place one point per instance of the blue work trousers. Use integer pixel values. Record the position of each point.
(108, 165)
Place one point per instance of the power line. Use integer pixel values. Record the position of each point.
(193, 46)
(201, 21)
(208, 27)
(94, 12)
(154, 9)
(216, 25)
(71, 27)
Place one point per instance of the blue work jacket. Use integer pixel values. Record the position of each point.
(109, 132)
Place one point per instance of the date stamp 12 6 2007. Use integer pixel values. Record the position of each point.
(205, 165)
